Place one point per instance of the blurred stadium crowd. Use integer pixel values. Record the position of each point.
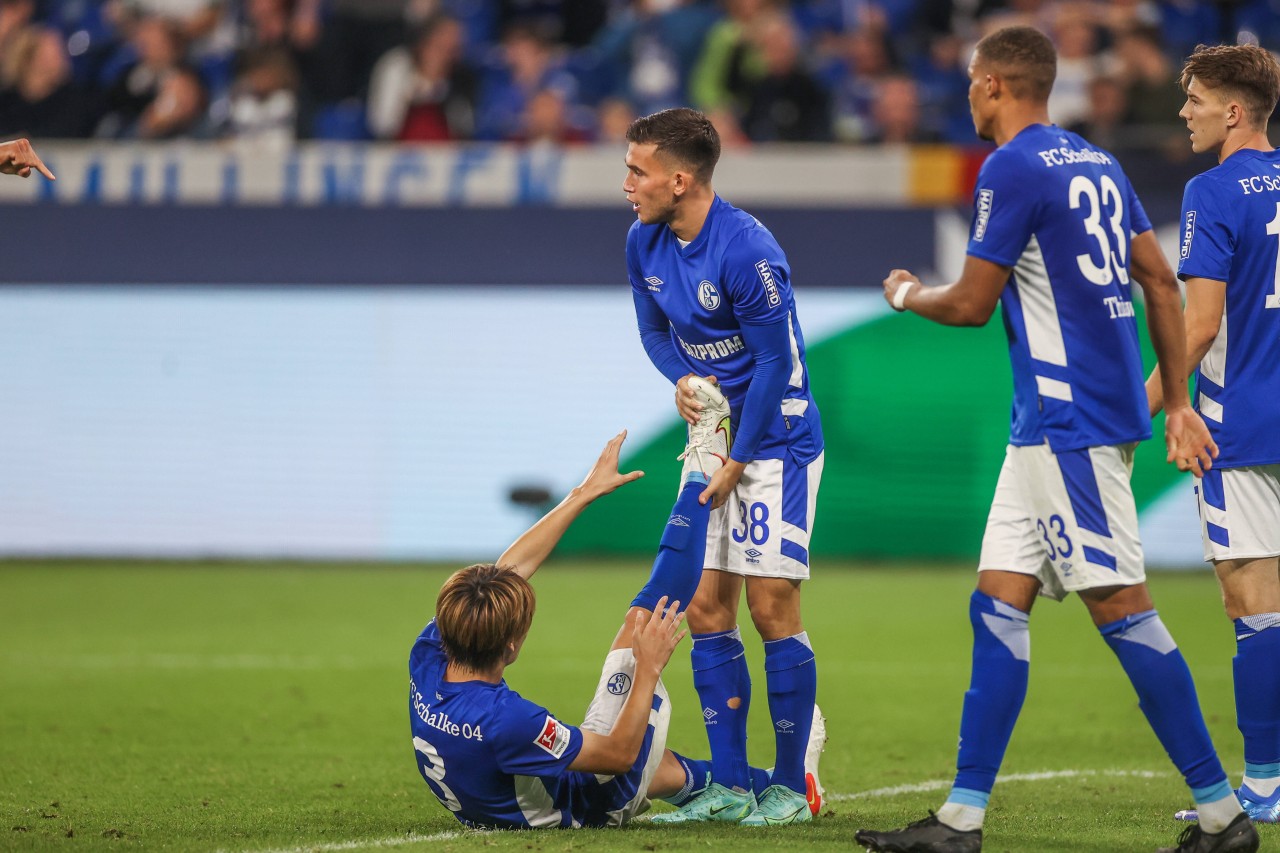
(570, 71)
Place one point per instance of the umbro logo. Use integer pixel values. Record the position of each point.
(708, 713)
(655, 283)
(785, 725)
(752, 552)
(678, 521)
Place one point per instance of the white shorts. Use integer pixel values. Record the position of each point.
(1240, 512)
(763, 529)
(1069, 519)
(626, 796)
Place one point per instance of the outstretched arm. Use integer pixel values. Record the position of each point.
(19, 158)
(654, 637)
(968, 301)
(1187, 439)
(534, 545)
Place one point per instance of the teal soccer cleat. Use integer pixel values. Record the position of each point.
(779, 806)
(717, 803)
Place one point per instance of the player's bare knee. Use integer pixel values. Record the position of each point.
(1014, 589)
(1109, 604)
(1249, 587)
(706, 615)
(776, 618)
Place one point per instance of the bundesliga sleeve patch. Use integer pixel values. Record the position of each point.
(985, 198)
(554, 738)
(1188, 233)
(766, 278)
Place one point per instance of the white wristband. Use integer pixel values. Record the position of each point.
(900, 295)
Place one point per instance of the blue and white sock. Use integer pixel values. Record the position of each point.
(678, 567)
(997, 688)
(724, 687)
(697, 778)
(1257, 678)
(791, 676)
(1167, 696)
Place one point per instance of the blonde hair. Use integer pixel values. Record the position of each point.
(480, 611)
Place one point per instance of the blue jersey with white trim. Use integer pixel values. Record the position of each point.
(493, 758)
(1231, 233)
(1061, 213)
(733, 274)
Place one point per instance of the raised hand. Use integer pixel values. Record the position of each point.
(656, 635)
(604, 476)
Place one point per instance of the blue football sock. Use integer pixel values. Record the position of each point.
(678, 566)
(697, 777)
(760, 780)
(724, 687)
(1257, 677)
(791, 676)
(1167, 696)
(997, 688)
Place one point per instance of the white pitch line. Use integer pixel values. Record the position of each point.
(393, 841)
(942, 784)
(919, 787)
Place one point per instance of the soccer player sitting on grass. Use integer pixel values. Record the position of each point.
(498, 760)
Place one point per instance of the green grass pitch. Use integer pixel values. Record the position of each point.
(246, 707)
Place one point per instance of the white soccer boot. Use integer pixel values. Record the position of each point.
(711, 437)
(813, 751)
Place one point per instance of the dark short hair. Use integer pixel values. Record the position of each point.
(1024, 57)
(481, 610)
(1245, 70)
(682, 134)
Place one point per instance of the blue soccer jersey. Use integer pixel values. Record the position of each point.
(1061, 212)
(493, 758)
(1231, 233)
(707, 304)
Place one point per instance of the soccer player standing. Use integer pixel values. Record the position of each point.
(1056, 231)
(713, 300)
(1231, 265)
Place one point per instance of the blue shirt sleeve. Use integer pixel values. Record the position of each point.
(1004, 208)
(1206, 234)
(655, 328)
(757, 277)
(770, 346)
(532, 742)
(655, 334)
